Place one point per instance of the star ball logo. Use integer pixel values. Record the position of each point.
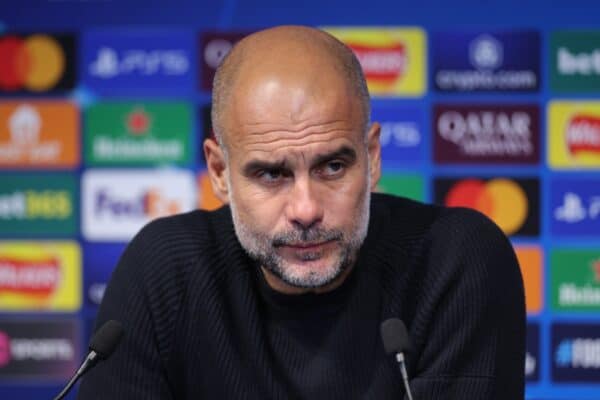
(512, 203)
(393, 59)
(36, 63)
(486, 61)
(213, 47)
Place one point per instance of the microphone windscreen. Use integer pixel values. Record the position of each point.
(394, 336)
(106, 339)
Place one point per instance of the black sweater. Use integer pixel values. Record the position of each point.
(201, 322)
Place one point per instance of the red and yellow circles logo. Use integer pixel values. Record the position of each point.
(502, 200)
(34, 63)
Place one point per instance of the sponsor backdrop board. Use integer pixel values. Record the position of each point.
(104, 108)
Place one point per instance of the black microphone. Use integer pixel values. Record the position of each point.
(102, 345)
(396, 341)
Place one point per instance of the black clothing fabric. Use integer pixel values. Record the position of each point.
(201, 322)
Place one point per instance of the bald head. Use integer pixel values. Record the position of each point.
(293, 57)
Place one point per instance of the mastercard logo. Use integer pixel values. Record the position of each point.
(35, 63)
(502, 200)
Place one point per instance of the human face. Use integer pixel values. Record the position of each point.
(299, 188)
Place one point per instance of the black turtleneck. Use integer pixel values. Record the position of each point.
(202, 323)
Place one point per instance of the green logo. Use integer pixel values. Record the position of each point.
(575, 276)
(38, 205)
(134, 134)
(575, 61)
(410, 186)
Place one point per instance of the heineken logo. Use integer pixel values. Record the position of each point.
(139, 133)
(138, 122)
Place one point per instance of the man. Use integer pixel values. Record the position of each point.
(281, 294)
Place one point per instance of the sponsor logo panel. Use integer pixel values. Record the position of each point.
(574, 134)
(575, 207)
(575, 61)
(118, 203)
(39, 350)
(532, 354)
(512, 203)
(37, 63)
(401, 135)
(393, 59)
(486, 61)
(142, 61)
(38, 204)
(39, 134)
(138, 133)
(214, 46)
(531, 262)
(575, 275)
(498, 134)
(411, 186)
(575, 352)
(40, 276)
(100, 261)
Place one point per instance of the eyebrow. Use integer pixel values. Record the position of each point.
(344, 152)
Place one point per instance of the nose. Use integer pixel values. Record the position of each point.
(305, 206)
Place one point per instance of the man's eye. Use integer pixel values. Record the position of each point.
(270, 175)
(333, 169)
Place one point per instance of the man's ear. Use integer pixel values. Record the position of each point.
(374, 149)
(217, 169)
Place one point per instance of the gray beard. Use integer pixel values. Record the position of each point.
(262, 248)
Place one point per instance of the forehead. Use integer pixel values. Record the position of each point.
(275, 114)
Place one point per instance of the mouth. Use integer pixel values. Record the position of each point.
(307, 246)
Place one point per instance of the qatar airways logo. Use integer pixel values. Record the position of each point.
(583, 134)
(117, 203)
(483, 134)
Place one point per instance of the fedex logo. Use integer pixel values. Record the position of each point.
(151, 203)
(117, 203)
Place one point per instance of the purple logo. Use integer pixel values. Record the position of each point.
(214, 46)
(486, 134)
(486, 61)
